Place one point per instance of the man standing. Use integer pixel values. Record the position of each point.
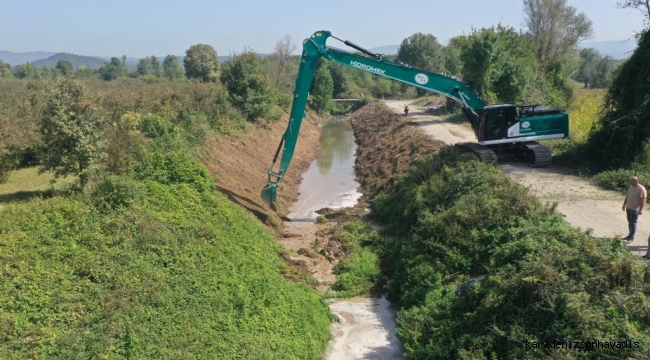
(633, 205)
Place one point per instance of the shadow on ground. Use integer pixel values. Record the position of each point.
(20, 196)
(250, 205)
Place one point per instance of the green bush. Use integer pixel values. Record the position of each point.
(156, 126)
(175, 274)
(174, 167)
(113, 192)
(358, 272)
(617, 180)
(621, 136)
(478, 266)
(275, 113)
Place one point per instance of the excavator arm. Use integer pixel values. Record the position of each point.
(313, 49)
(500, 129)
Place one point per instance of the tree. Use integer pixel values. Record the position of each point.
(201, 62)
(282, 55)
(621, 136)
(65, 67)
(46, 72)
(144, 67)
(641, 5)
(83, 72)
(323, 89)
(249, 88)
(155, 66)
(71, 131)
(27, 71)
(421, 51)
(451, 53)
(113, 69)
(5, 69)
(498, 62)
(556, 28)
(595, 71)
(172, 68)
(339, 78)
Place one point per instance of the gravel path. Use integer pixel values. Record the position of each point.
(584, 205)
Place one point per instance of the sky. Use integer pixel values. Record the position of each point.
(139, 28)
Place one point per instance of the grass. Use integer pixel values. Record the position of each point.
(357, 273)
(583, 111)
(155, 266)
(25, 184)
(175, 273)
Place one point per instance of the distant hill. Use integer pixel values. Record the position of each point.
(76, 60)
(41, 58)
(618, 50)
(14, 59)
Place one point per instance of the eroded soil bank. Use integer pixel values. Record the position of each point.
(240, 164)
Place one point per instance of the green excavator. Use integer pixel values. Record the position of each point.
(500, 129)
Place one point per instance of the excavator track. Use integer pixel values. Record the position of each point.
(535, 154)
(484, 153)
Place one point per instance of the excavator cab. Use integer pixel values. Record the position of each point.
(496, 120)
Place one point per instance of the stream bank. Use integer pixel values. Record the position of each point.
(365, 327)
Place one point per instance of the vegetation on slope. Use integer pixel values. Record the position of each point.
(143, 269)
(479, 268)
(617, 146)
(147, 260)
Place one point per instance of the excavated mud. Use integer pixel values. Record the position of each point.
(388, 145)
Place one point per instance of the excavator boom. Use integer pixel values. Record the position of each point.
(473, 105)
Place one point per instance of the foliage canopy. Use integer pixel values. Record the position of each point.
(201, 62)
(72, 132)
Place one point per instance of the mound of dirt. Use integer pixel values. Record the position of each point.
(388, 147)
(240, 165)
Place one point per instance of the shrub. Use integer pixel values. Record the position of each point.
(112, 193)
(249, 88)
(620, 137)
(175, 167)
(614, 179)
(126, 144)
(155, 126)
(71, 131)
(478, 266)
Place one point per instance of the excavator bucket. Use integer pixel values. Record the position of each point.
(269, 195)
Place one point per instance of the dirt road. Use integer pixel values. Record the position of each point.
(584, 205)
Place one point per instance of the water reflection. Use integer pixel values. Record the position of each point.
(337, 140)
(329, 181)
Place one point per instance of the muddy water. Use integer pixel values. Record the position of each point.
(330, 180)
(366, 330)
(366, 326)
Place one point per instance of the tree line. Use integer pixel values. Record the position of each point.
(501, 63)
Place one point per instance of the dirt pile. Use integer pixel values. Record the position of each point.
(240, 164)
(388, 147)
